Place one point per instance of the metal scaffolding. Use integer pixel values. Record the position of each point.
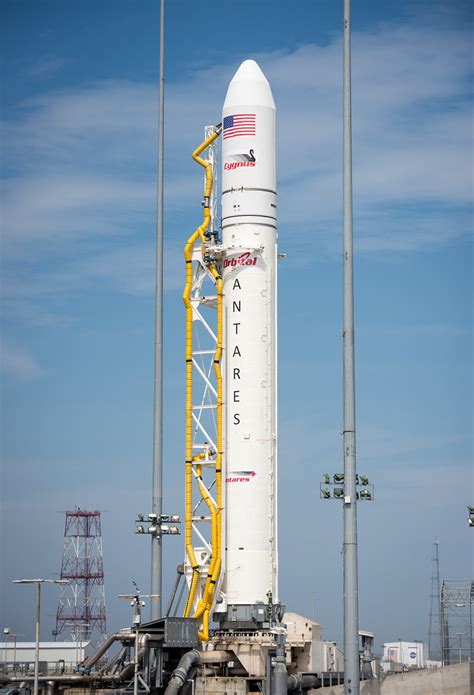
(204, 394)
(457, 597)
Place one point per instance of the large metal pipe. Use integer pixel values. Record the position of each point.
(113, 661)
(70, 678)
(299, 681)
(180, 674)
(124, 674)
(280, 673)
(92, 660)
(218, 656)
(80, 677)
(351, 602)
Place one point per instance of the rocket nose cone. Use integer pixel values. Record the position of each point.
(249, 70)
(249, 86)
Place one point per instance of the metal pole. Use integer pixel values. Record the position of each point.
(135, 670)
(38, 609)
(157, 501)
(173, 593)
(460, 646)
(14, 655)
(351, 617)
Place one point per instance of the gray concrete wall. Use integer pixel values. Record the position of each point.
(457, 679)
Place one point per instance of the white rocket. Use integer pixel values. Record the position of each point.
(249, 262)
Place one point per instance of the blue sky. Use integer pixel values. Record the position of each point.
(79, 115)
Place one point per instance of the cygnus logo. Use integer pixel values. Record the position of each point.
(234, 161)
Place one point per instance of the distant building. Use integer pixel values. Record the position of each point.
(402, 656)
(309, 651)
(54, 657)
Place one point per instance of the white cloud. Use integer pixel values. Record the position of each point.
(46, 68)
(132, 269)
(17, 362)
(82, 161)
(53, 209)
(391, 452)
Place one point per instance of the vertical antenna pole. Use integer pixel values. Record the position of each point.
(351, 608)
(157, 501)
(37, 636)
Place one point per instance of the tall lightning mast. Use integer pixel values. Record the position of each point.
(157, 494)
(351, 607)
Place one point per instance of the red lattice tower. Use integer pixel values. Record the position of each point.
(81, 606)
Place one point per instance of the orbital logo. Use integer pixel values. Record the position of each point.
(235, 161)
(243, 259)
(240, 476)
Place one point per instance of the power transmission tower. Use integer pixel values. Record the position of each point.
(81, 605)
(434, 632)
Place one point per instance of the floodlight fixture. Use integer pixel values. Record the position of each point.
(365, 494)
(363, 479)
(470, 519)
(338, 492)
(155, 525)
(325, 493)
(338, 477)
(326, 478)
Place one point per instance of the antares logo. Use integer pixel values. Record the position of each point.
(244, 259)
(240, 476)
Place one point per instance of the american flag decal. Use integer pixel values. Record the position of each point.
(239, 124)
